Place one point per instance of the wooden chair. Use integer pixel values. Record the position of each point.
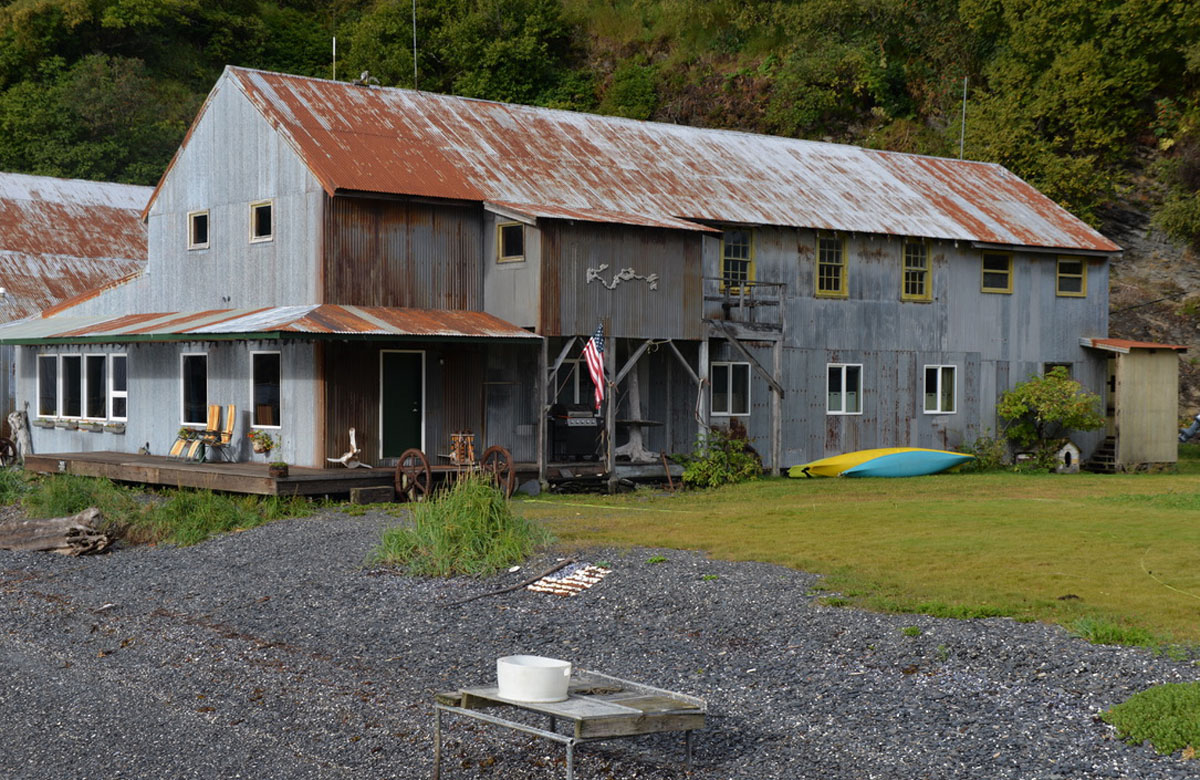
(220, 440)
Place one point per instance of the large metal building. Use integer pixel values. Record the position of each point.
(456, 254)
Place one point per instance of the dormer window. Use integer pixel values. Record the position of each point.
(197, 229)
(510, 242)
(262, 223)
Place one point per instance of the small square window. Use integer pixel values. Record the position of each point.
(940, 392)
(262, 226)
(1071, 278)
(197, 230)
(997, 272)
(510, 246)
(843, 388)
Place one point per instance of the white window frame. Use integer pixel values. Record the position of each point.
(258, 204)
(62, 395)
(183, 421)
(86, 385)
(191, 229)
(842, 368)
(937, 393)
(728, 364)
(254, 423)
(578, 376)
(113, 393)
(53, 356)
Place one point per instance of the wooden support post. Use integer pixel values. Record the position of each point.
(702, 373)
(776, 407)
(543, 406)
(610, 410)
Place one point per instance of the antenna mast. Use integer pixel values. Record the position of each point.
(962, 130)
(414, 4)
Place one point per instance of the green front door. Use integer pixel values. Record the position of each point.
(401, 401)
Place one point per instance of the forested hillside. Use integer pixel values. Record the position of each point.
(1096, 102)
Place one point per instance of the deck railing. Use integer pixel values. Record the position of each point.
(757, 302)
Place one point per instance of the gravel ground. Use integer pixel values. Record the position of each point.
(274, 654)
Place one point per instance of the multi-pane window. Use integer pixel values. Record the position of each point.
(1072, 277)
(831, 267)
(940, 389)
(262, 223)
(85, 386)
(118, 388)
(510, 242)
(916, 286)
(730, 388)
(197, 229)
(265, 388)
(737, 258)
(997, 272)
(193, 370)
(843, 388)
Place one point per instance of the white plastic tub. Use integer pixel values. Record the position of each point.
(532, 678)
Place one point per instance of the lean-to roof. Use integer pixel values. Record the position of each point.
(550, 162)
(62, 237)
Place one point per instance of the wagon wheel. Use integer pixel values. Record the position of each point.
(497, 464)
(413, 477)
(8, 452)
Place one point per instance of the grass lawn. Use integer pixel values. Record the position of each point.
(1117, 550)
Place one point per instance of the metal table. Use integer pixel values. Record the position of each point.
(597, 707)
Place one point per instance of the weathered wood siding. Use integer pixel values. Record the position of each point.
(570, 305)
(391, 252)
(1147, 408)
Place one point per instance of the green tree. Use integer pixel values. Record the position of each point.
(1044, 409)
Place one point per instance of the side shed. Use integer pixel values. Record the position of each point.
(1142, 403)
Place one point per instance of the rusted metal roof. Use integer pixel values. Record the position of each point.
(62, 237)
(558, 163)
(312, 320)
(1124, 346)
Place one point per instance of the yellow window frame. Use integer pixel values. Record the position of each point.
(984, 271)
(925, 270)
(840, 264)
(1060, 275)
(500, 256)
(726, 285)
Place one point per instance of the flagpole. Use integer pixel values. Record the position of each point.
(610, 407)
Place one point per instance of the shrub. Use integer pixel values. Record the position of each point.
(13, 486)
(469, 529)
(720, 458)
(991, 453)
(1044, 409)
(1168, 716)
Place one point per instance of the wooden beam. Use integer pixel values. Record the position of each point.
(543, 395)
(561, 355)
(633, 359)
(684, 363)
(732, 339)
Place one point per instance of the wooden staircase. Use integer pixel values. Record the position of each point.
(1104, 459)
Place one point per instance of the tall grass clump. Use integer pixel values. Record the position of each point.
(13, 486)
(61, 495)
(469, 529)
(190, 517)
(1167, 716)
(1102, 631)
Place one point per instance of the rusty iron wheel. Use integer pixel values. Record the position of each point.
(497, 463)
(413, 476)
(8, 452)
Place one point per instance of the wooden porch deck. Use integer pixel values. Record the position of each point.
(226, 477)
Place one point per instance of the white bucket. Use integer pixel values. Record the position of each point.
(532, 678)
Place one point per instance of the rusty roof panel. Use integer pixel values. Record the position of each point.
(324, 319)
(60, 238)
(1124, 346)
(555, 162)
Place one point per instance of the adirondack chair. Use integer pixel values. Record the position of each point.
(219, 440)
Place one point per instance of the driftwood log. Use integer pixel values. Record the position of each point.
(76, 535)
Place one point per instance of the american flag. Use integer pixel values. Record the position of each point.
(593, 354)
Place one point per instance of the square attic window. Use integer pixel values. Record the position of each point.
(197, 230)
(510, 243)
(262, 227)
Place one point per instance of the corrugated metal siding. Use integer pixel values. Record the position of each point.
(573, 306)
(396, 253)
(420, 143)
(352, 399)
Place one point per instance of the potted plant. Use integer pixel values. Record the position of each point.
(186, 433)
(261, 441)
(277, 469)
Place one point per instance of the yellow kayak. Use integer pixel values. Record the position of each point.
(882, 462)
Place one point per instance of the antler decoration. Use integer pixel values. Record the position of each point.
(624, 275)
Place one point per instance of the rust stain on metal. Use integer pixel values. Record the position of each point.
(560, 163)
(60, 239)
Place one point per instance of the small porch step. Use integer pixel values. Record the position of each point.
(1104, 459)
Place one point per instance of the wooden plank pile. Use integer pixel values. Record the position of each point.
(79, 534)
